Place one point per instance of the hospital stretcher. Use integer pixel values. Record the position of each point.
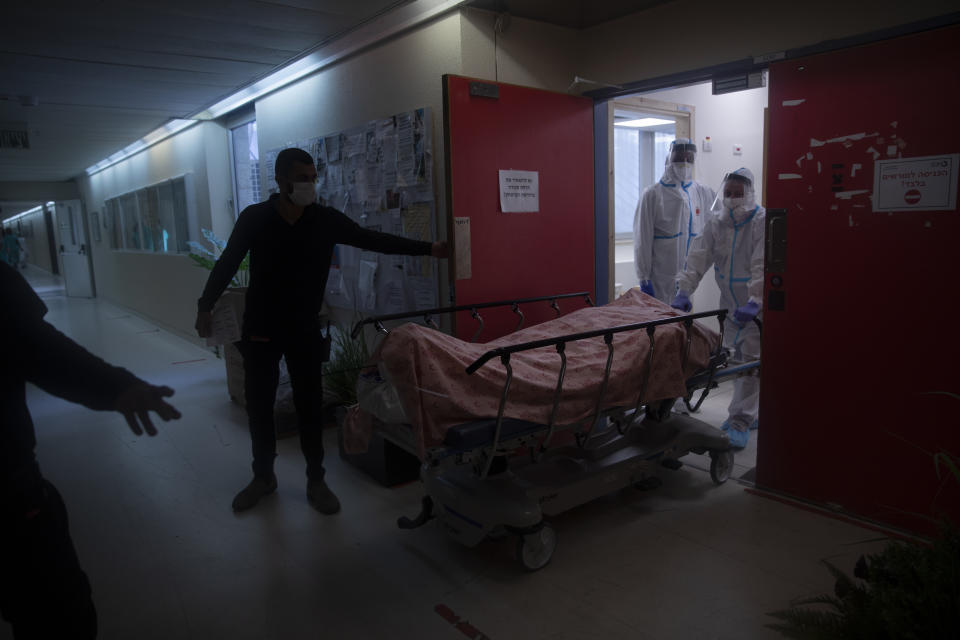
(501, 476)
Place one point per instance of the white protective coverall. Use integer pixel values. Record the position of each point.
(732, 242)
(669, 216)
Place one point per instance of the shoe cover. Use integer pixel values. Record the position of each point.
(738, 439)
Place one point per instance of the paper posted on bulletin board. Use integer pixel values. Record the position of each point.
(380, 174)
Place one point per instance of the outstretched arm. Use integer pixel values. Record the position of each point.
(40, 354)
(349, 232)
(60, 366)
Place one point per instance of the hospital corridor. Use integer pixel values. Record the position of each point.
(167, 558)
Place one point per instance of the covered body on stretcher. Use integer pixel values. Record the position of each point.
(421, 377)
(461, 407)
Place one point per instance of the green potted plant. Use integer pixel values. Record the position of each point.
(383, 460)
(341, 371)
(206, 258)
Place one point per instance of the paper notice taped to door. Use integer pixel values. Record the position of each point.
(519, 191)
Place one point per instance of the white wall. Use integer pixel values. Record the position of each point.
(728, 119)
(692, 34)
(527, 53)
(161, 287)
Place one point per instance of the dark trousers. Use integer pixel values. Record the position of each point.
(261, 365)
(43, 591)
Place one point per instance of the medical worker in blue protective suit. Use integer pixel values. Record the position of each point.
(732, 242)
(669, 216)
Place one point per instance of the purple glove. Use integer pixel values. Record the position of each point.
(682, 302)
(647, 287)
(747, 312)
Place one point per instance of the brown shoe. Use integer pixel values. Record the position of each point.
(321, 498)
(251, 494)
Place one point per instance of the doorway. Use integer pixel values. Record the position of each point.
(74, 249)
(729, 131)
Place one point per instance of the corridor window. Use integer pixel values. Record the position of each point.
(111, 220)
(246, 166)
(150, 219)
(639, 154)
(131, 221)
(153, 219)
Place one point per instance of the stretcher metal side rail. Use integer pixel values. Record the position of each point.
(707, 382)
(428, 314)
(504, 354)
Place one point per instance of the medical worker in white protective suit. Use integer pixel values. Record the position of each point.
(732, 242)
(669, 216)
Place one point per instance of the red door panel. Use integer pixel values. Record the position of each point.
(517, 255)
(858, 365)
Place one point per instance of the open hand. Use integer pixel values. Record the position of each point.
(139, 400)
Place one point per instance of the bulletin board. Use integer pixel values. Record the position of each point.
(504, 143)
(859, 390)
(380, 174)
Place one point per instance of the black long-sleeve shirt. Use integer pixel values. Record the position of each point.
(34, 351)
(289, 263)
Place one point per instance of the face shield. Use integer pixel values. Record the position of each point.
(681, 158)
(736, 192)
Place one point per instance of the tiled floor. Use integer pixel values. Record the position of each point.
(168, 559)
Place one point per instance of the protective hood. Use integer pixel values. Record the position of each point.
(678, 166)
(736, 195)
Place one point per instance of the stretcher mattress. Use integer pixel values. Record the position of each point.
(427, 369)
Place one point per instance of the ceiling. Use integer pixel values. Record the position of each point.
(85, 79)
(576, 14)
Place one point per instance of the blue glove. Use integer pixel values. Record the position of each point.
(647, 287)
(682, 302)
(747, 312)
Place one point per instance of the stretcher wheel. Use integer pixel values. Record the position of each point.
(534, 550)
(721, 464)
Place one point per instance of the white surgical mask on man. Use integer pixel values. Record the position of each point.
(303, 194)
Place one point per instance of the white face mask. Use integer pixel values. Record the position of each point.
(733, 203)
(303, 194)
(684, 171)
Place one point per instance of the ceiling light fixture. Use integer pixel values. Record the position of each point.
(403, 18)
(642, 123)
(24, 213)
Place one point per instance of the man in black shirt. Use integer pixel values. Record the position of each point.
(291, 241)
(43, 591)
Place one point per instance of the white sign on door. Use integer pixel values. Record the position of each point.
(928, 183)
(519, 191)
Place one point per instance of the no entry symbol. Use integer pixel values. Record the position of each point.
(912, 196)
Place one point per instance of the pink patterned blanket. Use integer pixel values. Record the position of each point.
(427, 368)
